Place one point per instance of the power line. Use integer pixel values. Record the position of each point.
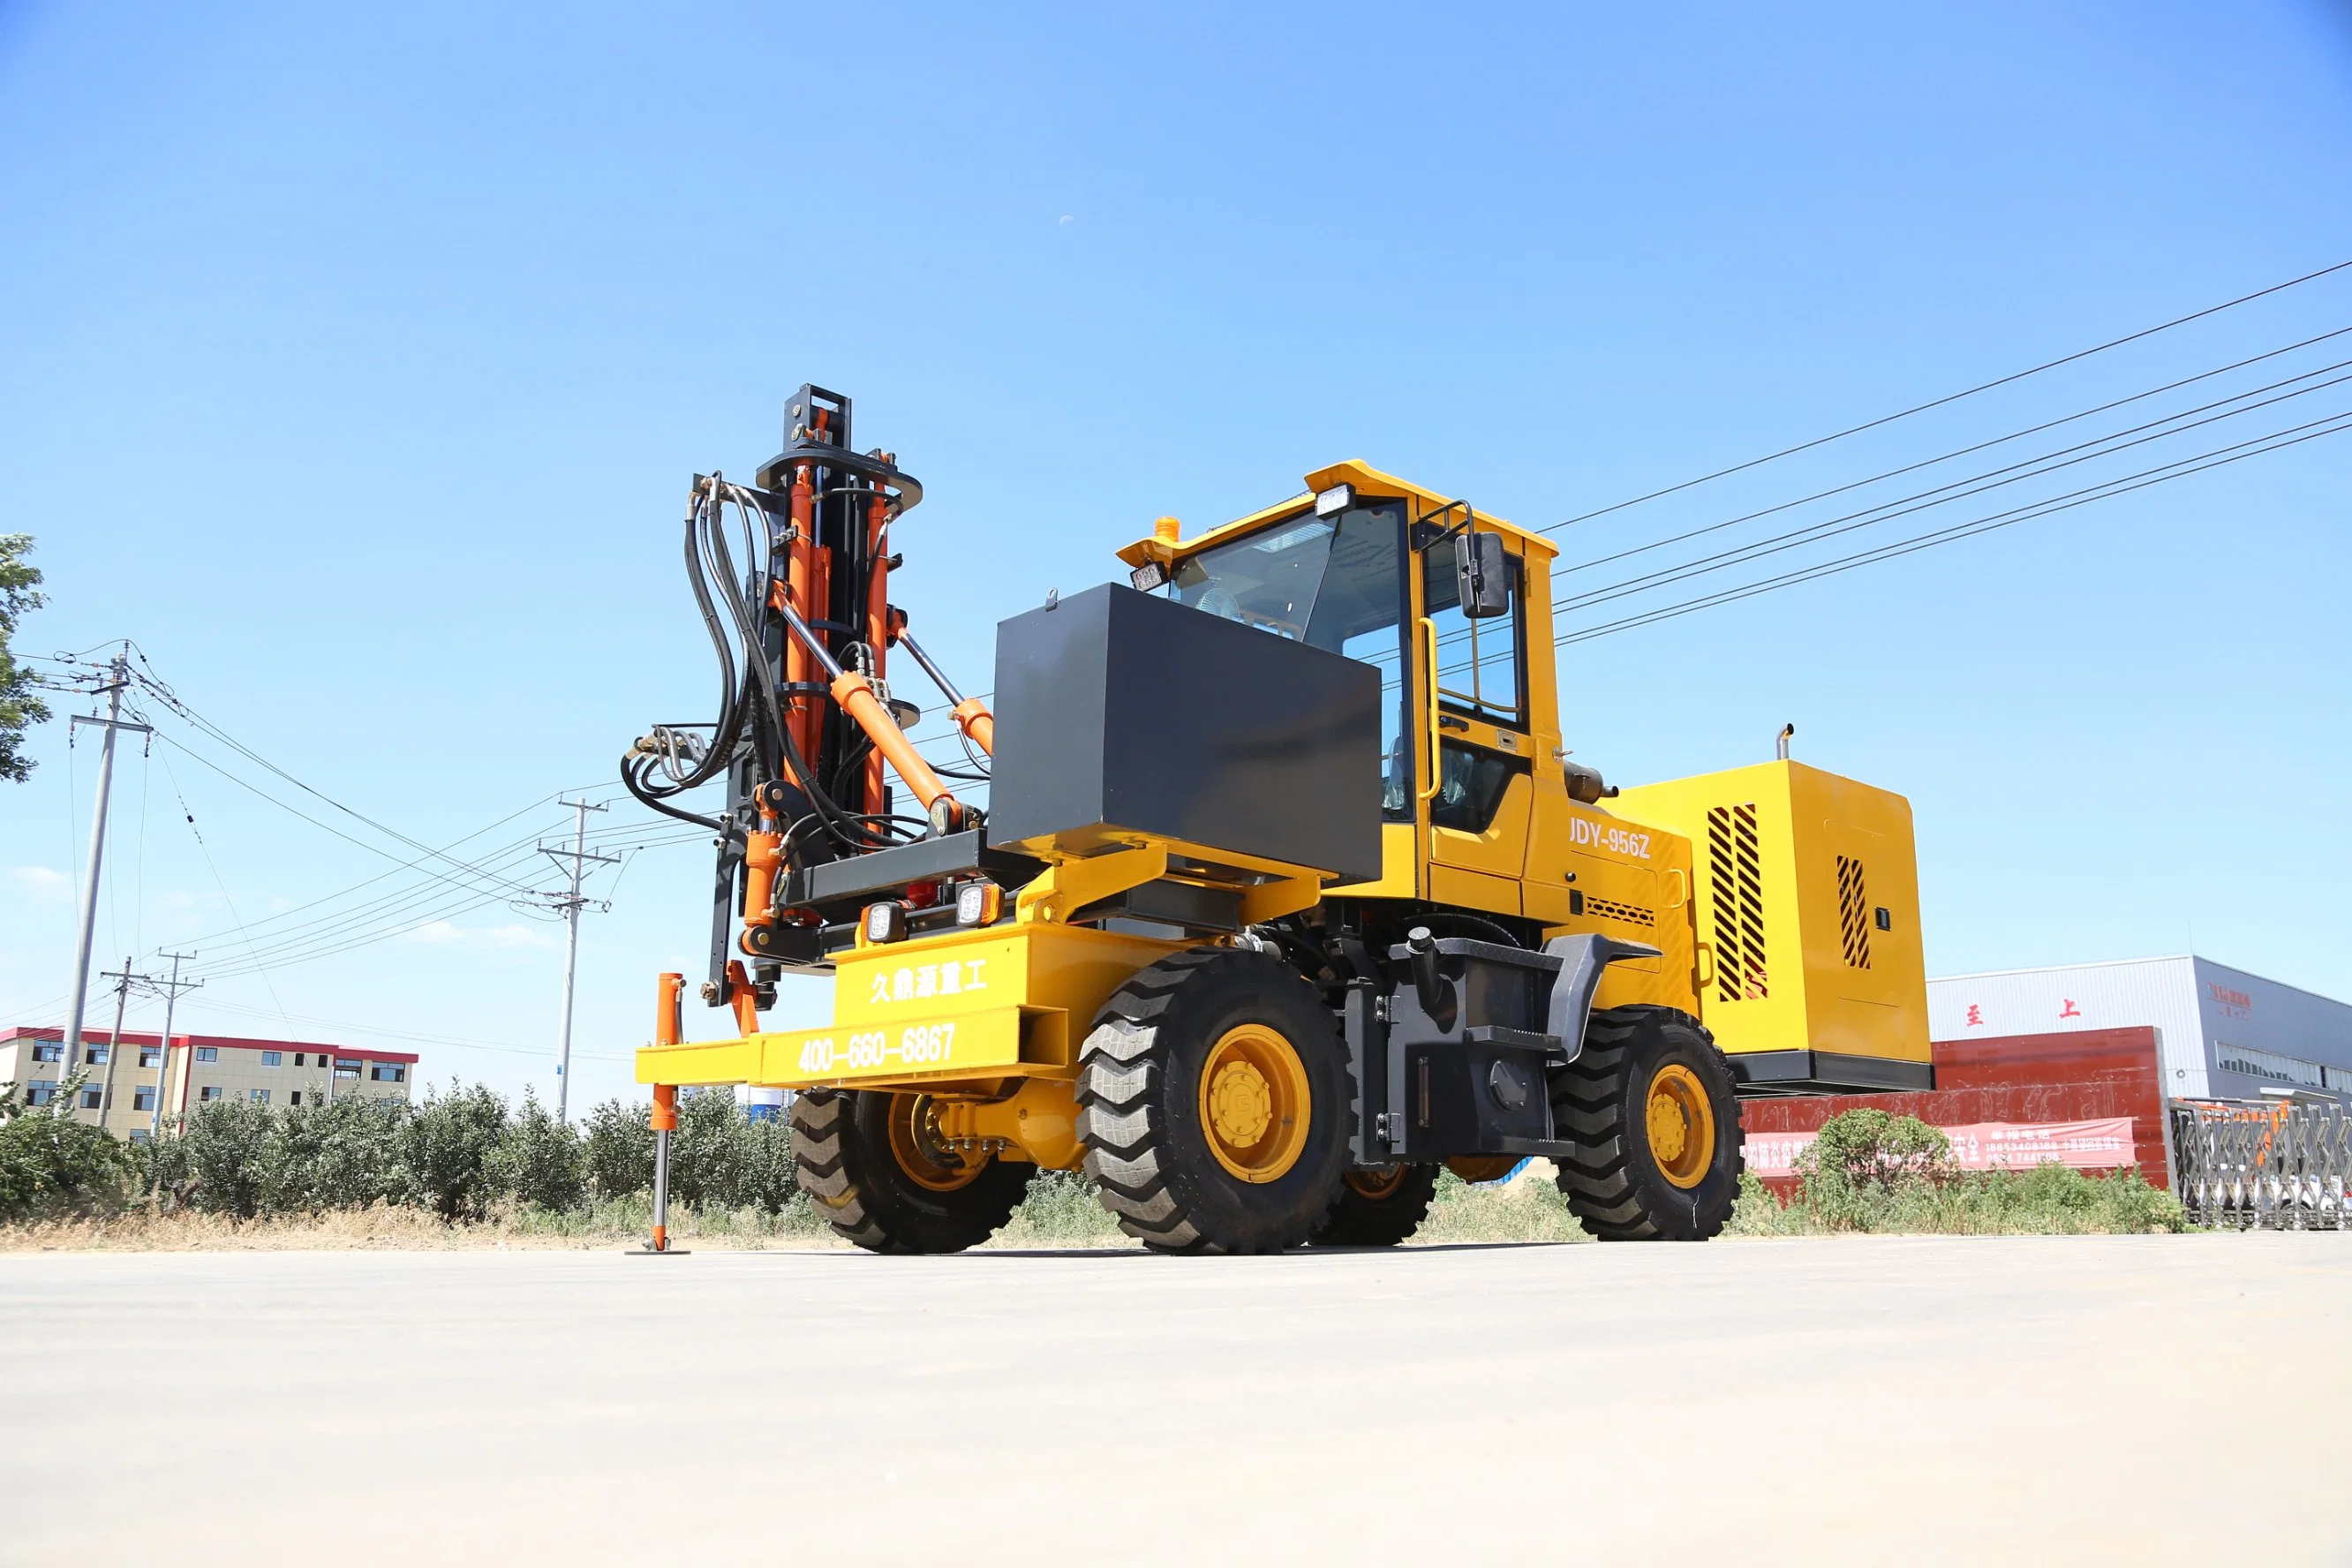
(362, 932)
(205, 849)
(1951, 397)
(185, 750)
(1959, 490)
(171, 701)
(2336, 425)
(1958, 452)
(394, 871)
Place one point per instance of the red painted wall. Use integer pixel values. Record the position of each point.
(2076, 1077)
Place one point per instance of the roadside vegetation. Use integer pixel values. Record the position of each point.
(1869, 1172)
(461, 1167)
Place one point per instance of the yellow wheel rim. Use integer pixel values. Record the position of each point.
(1376, 1184)
(1255, 1103)
(921, 1153)
(1681, 1124)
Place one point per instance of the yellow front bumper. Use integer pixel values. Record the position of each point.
(980, 1044)
(990, 1002)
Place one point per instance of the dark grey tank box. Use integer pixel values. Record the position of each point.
(1117, 712)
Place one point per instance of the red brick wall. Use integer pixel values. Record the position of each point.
(2077, 1076)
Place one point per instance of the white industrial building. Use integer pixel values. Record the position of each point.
(2221, 1034)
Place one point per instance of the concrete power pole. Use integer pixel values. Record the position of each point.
(118, 677)
(570, 903)
(122, 979)
(172, 989)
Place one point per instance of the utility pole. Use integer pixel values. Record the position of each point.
(571, 904)
(172, 989)
(122, 979)
(118, 677)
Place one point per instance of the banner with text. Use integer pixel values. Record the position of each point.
(1984, 1146)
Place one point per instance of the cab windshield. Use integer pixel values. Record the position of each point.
(1324, 581)
(1334, 583)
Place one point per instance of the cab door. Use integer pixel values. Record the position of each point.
(1476, 785)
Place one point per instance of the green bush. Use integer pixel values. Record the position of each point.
(342, 1153)
(445, 1144)
(707, 1154)
(616, 1152)
(224, 1162)
(1869, 1171)
(539, 1159)
(1863, 1161)
(54, 1167)
(764, 1174)
(719, 1158)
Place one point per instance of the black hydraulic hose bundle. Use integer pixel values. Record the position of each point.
(753, 722)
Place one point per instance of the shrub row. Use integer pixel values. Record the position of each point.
(460, 1154)
(457, 1152)
(1869, 1171)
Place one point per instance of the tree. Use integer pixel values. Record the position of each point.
(225, 1158)
(19, 709)
(445, 1147)
(539, 1158)
(341, 1153)
(618, 1149)
(53, 1166)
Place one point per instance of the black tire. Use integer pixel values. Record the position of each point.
(1140, 1093)
(843, 1156)
(1614, 1182)
(1385, 1216)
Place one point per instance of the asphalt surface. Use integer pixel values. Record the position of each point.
(1896, 1400)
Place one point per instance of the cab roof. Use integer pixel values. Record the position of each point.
(1370, 484)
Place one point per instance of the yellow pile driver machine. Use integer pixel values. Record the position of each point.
(1287, 896)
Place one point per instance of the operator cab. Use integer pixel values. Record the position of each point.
(1413, 584)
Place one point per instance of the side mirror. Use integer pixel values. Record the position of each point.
(1483, 571)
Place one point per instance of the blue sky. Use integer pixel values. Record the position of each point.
(357, 359)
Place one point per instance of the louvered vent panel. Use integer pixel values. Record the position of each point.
(1735, 872)
(1854, 912)
(1611, 910)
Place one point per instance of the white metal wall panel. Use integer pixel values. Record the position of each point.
(2118, 996)
(2242, 1010)
(2203, 1013)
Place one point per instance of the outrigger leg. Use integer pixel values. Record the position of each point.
(666, 1031)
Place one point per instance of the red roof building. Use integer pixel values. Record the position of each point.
(134, 1084)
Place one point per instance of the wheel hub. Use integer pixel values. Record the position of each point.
(921, 1151)
(1680, 1121)
(1255, 1103)
(1240, 1104)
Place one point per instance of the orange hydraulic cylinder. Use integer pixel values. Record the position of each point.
(762, 858)
(972, 717)
(669, 1027)
(856, 698)
(799, 578)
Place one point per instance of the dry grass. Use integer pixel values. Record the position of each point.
(392, 1229)
(1060, 1214)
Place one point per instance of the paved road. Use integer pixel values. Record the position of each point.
(2094, 1400)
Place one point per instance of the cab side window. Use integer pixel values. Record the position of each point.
(1477, 661)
